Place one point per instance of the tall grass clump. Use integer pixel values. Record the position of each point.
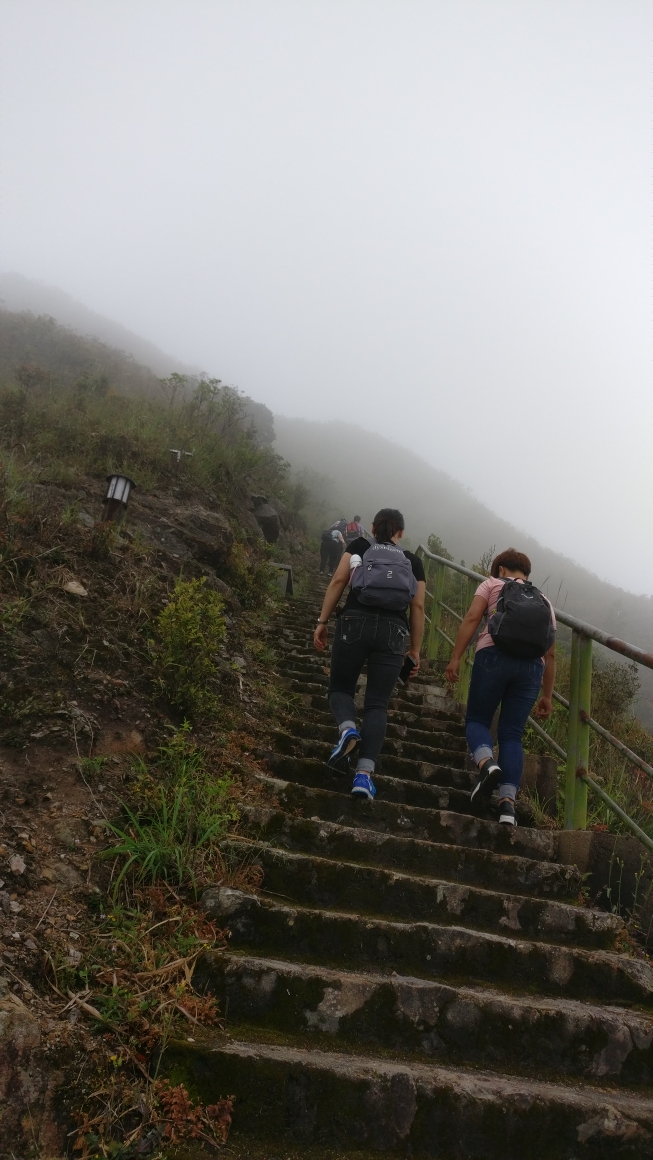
(189, 631)
(174, 834)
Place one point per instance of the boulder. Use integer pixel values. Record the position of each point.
(27, 1083)
(207, 535)
(268, 520)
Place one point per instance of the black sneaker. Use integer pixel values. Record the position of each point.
(488, 780)
(507, 813)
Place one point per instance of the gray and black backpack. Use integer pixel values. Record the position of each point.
(384, 579)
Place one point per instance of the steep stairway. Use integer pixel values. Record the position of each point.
(414, 979)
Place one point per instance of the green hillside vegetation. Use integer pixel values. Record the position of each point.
(73, 405)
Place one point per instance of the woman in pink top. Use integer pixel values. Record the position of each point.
(501, 679)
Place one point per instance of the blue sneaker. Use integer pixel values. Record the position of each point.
(364, 786)
(348, 742)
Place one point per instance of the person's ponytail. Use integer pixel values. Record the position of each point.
(386, 524)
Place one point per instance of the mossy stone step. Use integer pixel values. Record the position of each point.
(260, 925)
(448, 1024)
(324, 883)
(395, 789)
(451, 774)
(468, 865)
(411, 1109)
(439, 736)
(429, 825)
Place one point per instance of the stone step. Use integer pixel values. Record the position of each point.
(471, 866)
(394, 789)
(438, 736)
(325, 884)
(414, 1110)
(260, 925)
(397, 719)
(429, 825)
(449, 774)
(400, 750)
(448, 1024)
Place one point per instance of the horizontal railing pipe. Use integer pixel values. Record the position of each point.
(607, 736)
(450, 610)
(549, 740)
(612, 805)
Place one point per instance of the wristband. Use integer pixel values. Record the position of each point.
(322, 622)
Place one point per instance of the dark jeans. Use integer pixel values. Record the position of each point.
(382, 642)
(498, 679)
(335, 554)
(325, 554)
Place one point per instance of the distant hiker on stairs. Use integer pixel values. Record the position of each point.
(353, 530)
(374, 628)
(515, 657)
(332, 545)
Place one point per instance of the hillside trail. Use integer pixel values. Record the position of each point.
(414, 979)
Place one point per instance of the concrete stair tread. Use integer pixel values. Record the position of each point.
(411, 791)
(450, 826)
(316, 836)
(338, 938)
(373, 890)
(429, 1019)
(392, 758)
(422, 1110)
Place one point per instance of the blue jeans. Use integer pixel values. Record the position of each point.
(498, 679)
(381, 641)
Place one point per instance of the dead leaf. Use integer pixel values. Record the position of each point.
(17, 865)
(75, 588)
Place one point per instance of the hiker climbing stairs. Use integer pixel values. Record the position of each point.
(413, 979)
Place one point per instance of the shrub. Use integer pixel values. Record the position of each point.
(190, 629)
(252, 581)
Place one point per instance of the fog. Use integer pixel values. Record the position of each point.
(431, 219)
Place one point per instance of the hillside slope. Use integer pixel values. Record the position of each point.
(19, 294)
(369, 471)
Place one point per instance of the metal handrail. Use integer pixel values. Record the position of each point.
(610, 737)
(580, 721)
(608, 801)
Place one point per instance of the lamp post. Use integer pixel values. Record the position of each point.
(117, 497)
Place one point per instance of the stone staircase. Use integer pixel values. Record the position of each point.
(413, 979)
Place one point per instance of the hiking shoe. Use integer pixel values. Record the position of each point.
(488, 780)
(364, 786)
(507, 813)
(348, 741)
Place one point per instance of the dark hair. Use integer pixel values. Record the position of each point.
(356, 519)
(513, 560)
(386, 524)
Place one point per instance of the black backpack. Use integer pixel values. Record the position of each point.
(522, 625)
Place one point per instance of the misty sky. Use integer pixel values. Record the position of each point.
(432, 218)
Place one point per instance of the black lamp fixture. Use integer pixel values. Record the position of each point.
(117, 497)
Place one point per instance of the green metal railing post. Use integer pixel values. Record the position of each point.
(583, 731)
(572, 732)
(436, 585)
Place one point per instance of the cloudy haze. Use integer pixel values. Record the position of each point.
(432, 219)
